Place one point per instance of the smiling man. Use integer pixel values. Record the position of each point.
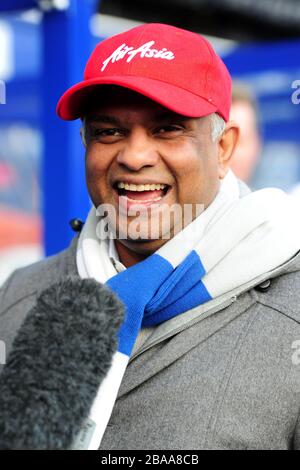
(158, 164)
(207, 271)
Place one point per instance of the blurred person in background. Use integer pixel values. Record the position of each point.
(244, 110)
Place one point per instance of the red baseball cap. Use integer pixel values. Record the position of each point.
(174, 67)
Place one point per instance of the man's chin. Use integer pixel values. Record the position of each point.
(145, 232)
(142, 246)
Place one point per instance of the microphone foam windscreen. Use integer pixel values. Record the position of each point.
(57, 362)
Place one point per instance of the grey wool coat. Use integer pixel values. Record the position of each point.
(224, 375)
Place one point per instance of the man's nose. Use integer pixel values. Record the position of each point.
(138, 151)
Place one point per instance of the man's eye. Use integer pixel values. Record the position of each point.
(168, 130)
(107, 134)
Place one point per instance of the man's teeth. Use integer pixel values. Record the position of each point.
(140, 187)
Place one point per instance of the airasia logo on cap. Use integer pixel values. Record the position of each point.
(144, 51)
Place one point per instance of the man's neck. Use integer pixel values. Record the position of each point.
(127, 256)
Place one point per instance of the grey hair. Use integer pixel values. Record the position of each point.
(83, 132)
(218, 126)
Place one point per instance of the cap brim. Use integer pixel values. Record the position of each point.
(73, 102)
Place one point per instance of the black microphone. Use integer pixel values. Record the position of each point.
(58, 359)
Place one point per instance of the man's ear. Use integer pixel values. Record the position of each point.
(227, 144)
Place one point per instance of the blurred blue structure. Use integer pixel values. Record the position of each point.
(14, 5)
(20, 117)
(67, 43)
(50, 56)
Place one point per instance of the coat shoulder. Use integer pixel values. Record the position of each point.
(38, 276)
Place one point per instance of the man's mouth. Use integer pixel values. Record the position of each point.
(142, 193)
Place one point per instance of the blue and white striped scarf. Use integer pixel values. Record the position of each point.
(231, 243)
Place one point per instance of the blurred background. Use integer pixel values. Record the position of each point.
(44, 46)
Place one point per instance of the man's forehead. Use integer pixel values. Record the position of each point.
(121, 102)
(116, 115)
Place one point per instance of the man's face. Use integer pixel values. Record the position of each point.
(132, 140)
